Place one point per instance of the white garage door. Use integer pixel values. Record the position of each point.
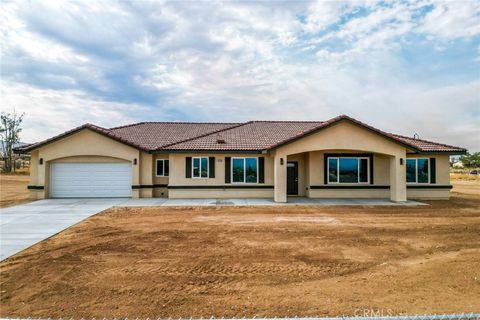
(90, 180)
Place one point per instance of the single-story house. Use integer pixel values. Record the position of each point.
(338, 158)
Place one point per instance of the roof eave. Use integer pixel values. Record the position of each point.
(446, 152)
(163, 151)
(36, 146)
(342, 118)
(378, 132)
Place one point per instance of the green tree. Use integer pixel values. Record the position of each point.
(10, 135)
(471, 160)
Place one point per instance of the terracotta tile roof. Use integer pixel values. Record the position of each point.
(155, 135)
(249, 136)
(427, 146)
(266, 135)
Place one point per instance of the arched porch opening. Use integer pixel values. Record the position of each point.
(340, 173)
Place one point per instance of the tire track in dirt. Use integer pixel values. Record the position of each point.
(169, 262)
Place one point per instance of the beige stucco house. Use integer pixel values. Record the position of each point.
(338, 158)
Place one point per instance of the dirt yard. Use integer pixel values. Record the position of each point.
(13, 189)
(269, 261)
(466, 187)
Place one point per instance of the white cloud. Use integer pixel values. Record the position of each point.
(50, 112)
(116, 62)
(453, 19)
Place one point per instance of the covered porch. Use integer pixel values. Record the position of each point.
(340, 174)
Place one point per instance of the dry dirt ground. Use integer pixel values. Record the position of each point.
(261, 261)
(466, 186)
(13, 189)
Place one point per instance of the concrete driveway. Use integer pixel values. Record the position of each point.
(23, 226)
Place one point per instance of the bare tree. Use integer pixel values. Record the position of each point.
(9, 134)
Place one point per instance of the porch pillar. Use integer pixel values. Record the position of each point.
(146, 175)
(398, 180)
(280, 178)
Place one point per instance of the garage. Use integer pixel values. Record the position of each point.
(90, 180)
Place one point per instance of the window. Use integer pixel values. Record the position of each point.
(418, 170)
(245, 170)
(348, 170)
(200, 167)
(162, 168)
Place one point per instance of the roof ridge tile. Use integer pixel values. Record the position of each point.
(170, 122)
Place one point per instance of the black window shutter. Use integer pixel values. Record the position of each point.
(166, 168)
(371, 168)
(227, 169)
(433, 173)
(325, 169)
(261, 170)
(211, 167)
(188, 167)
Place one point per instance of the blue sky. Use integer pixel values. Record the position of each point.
(405, 67)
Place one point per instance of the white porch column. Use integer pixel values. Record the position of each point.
(398, 180)
(280, 178)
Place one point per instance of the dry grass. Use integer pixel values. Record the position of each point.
(13, 189)
(464, 176)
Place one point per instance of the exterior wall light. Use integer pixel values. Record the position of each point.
(135, 161)
(281, 161)
(401, 161)
(40, 161)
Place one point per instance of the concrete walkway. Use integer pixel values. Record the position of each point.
(25, 225)
(292, 201)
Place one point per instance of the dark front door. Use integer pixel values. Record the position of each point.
(292, 178)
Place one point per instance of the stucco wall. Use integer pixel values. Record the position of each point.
(344, 136)
(220, 193)
(302, 171)
(35, 194)
(349, 193)
(87, 159)
(442, 166)
(340, 138)
(88, 146)
(84, 146)
(160, 192)
(178, 177)
(428, 194)
(381, 167)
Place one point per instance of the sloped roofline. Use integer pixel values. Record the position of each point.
(97, 129)
(427, 141)
(172, 122)
(343, 117)
(322, 125)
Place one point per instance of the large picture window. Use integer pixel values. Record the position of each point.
(348, 170)
(418, 170)
(245, 170)
(200, 167)
(162, 168)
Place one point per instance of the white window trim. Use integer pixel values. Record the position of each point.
(200, 167)
(338, 170)
(156, 165)
(416, 170)
(244, 170)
